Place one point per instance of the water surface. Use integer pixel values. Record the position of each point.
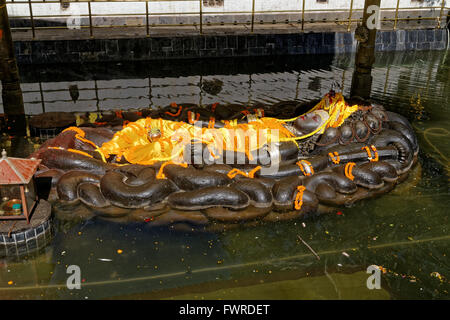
(406, 231)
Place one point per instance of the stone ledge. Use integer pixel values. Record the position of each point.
(18, 238)
(220, 45)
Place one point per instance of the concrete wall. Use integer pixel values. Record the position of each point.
(20, 7)
(219, 46)
(187, 11)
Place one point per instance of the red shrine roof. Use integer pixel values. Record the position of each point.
(17, 170)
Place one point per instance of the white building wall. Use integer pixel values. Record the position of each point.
(20, 7)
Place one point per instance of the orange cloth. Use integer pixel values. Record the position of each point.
(132, 141)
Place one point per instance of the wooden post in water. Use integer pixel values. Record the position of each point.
(9, 74)
(365, 53)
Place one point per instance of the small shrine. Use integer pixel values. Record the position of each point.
(17, 188)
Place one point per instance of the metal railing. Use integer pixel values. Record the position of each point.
(350, 21)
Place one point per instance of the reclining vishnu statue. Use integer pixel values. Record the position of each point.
(221, 165)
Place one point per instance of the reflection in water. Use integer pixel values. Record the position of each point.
(405, 232)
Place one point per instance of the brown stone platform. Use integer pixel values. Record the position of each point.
(41, 214)
(18, 238)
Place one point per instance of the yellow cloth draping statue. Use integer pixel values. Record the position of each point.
(136, 146)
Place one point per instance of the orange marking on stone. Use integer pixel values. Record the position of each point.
(161, 174)
(175, 114)
(301, 165)
(334, 156)
(348, 170)
(251, 174)
(298, 202)
(234, 172)
(369, 153)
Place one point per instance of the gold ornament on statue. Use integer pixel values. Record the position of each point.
(154, 134)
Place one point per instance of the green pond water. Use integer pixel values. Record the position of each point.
(406, 231)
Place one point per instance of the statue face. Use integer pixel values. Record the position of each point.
(308, 122)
